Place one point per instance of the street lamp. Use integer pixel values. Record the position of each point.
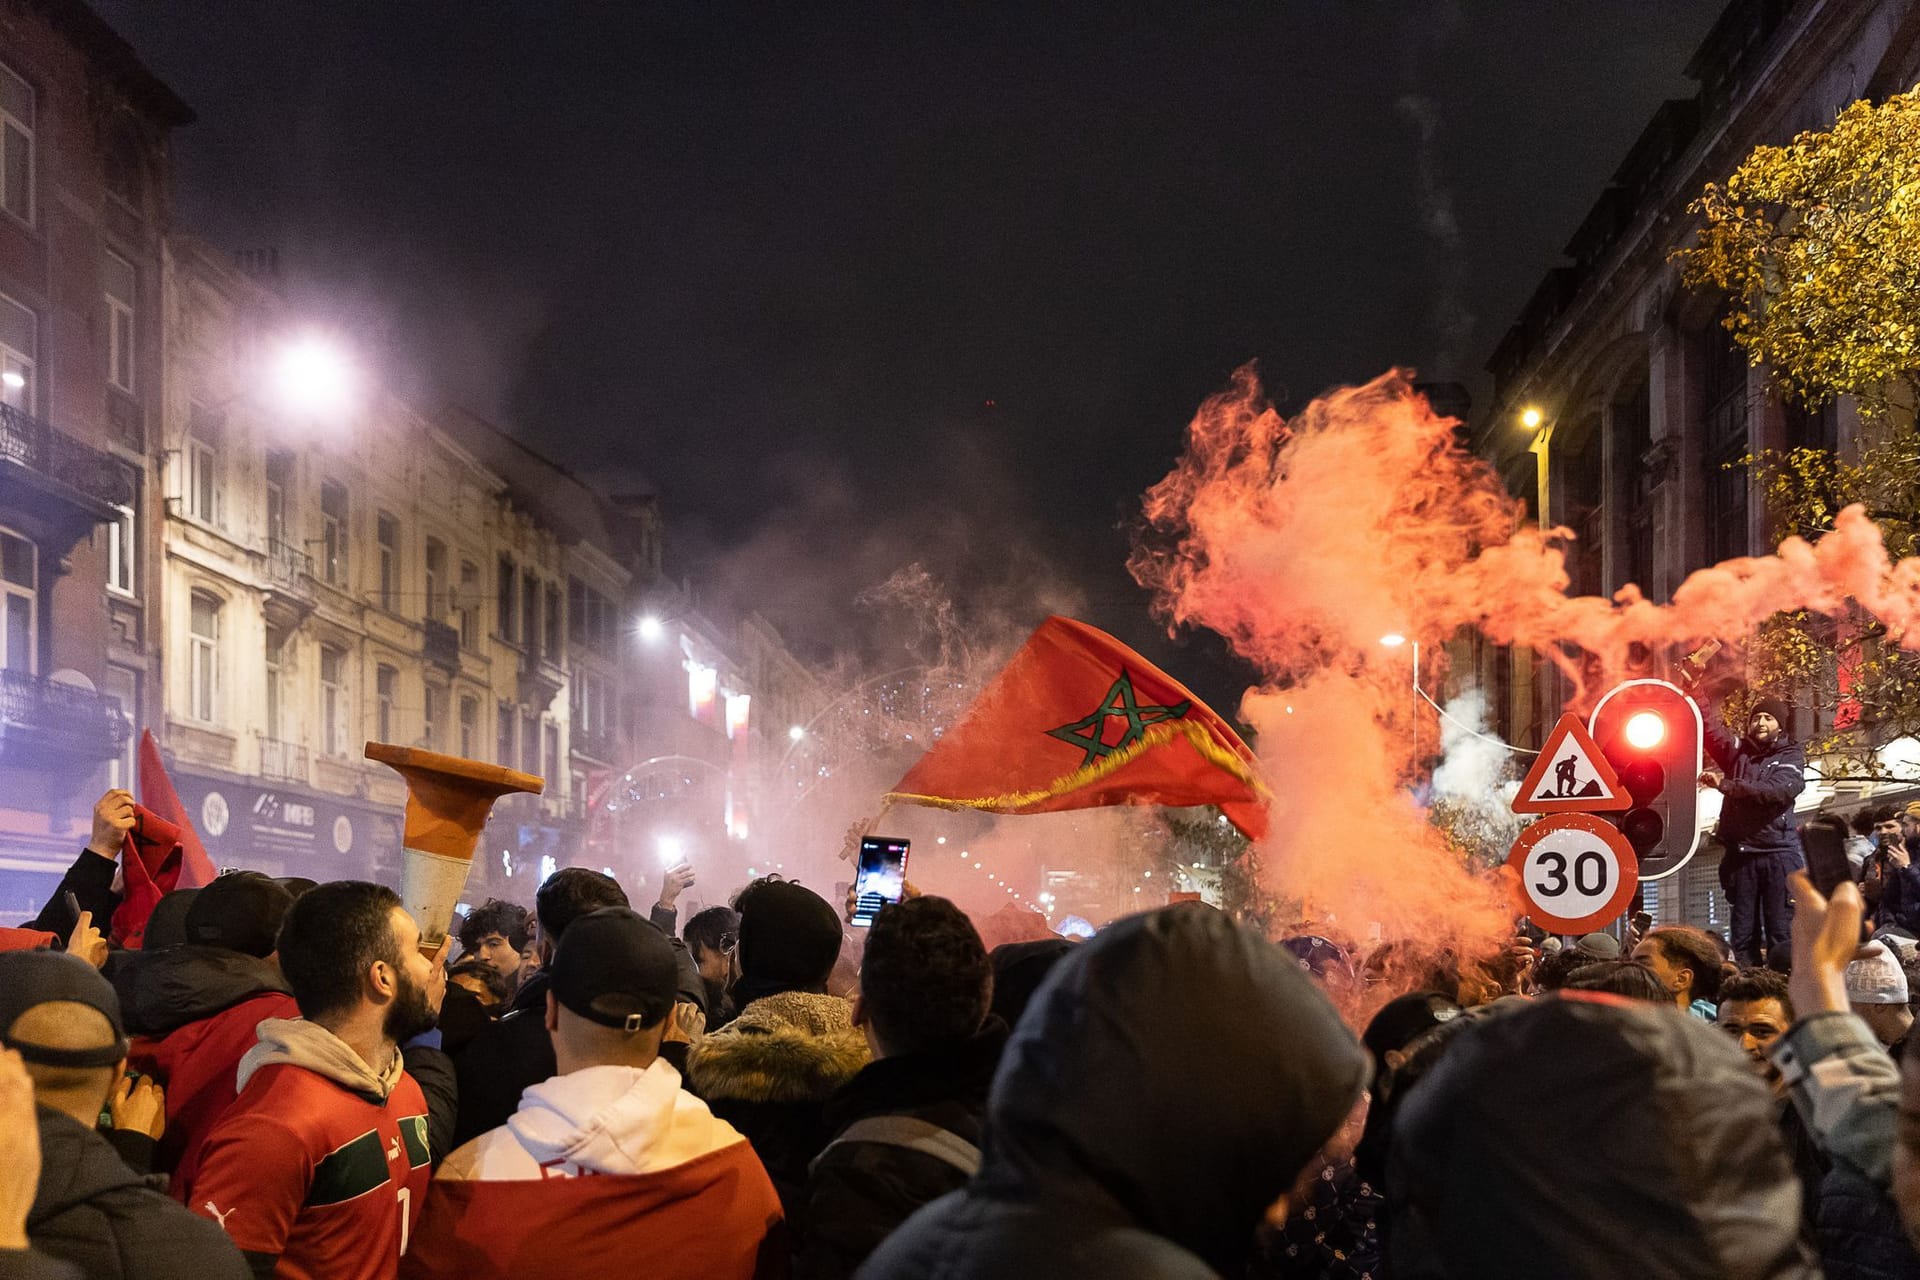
(650, 628)
(1542, 427)
(313, 376)
(796, 733)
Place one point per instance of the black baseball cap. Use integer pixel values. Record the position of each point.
(240, 911)
(29, 979)
(613, 967)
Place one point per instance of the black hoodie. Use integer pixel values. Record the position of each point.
(1167, 1084)
(94, 1211)
(1587, 1137)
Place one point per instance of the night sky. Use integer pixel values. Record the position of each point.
(858, 285)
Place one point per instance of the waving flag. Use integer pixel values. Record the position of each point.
(162, 852)
(1078, 720)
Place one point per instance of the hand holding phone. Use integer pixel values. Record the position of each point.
(881, 877)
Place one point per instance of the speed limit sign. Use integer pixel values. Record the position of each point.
(1577, 872)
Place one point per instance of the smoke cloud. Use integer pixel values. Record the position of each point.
(1303, 542)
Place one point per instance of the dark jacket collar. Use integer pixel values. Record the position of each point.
(162, 991)
(960, 1073)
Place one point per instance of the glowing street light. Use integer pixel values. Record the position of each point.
(13, 379)
(650, 628)
(1393, 640)
(796, 733)
(313, 377)
(1531, 418)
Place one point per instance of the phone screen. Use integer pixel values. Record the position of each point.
(1824, 843)
(881, 878)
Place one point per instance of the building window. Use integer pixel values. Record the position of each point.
(1724, 429)
(469, 727)
(120, 298)
(274, 659)
(203, 657)
(466, 607)
(433, 715)
(123, 545)
(552, 643)
(204, 430)
(333, 700)
(384, 681)
(386, 532)
(19, 341)
(279, 481)
(123, 690)
(549, 750)
(16, 146)
(508, 611)
(530, 743)
(530, 613)
(124, 169)
(333, 533)
(1632, 437)
(436, 577)
(503, 747)
(19, 596)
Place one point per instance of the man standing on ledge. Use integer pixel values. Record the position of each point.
(1760, 775)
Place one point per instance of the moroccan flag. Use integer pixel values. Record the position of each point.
(1077, 720)
(162, 852)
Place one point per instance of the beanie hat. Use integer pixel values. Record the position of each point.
(1874, 976)
(789, 936)
(1775, 707)
(240, 911)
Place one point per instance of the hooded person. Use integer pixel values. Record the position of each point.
(195, 1009)
(609, 1167)
(770, 1071)
(90, 1208)
(1680, 1171)
(1107, 1154)
(1760, 775)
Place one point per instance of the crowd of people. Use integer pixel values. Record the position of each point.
(278, 1081)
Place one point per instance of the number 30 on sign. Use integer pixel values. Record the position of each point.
(1577, 872)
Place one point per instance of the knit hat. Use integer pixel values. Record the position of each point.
(1775, 707)
(240, 911)
(1601, 946)
(1874, 976)
(789, 936)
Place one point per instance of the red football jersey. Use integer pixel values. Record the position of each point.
(324, 1177)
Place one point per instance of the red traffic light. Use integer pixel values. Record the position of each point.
(1645, 730)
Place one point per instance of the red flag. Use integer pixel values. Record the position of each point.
(1078, 720)
(162, 853)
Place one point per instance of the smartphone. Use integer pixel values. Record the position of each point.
(72, 902)
(1823, 840)
(880, 878)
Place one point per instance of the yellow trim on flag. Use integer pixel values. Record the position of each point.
(1158, 735)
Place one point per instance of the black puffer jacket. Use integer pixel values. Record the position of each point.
(859, 1192)
(1859, 1232)
(95, 1212)
(162, 991)
(1167, 1084)
(1586, 1138)
(1756, 814)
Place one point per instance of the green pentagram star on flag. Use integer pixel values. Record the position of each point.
(1088, 732)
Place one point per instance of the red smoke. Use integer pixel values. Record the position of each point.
(1305, 541)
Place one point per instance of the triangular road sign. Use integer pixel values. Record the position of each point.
(1571, 775)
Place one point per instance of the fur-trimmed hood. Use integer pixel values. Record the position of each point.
(791, 1047)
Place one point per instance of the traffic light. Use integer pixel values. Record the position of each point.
(1650, 733)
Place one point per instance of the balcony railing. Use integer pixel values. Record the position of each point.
(284, 761)
(440, 644)
(46, 722)
(287, 564)
(27, 441)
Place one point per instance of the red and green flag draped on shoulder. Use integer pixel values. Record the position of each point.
(1078, 720)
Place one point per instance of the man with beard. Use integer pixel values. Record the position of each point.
(320, 1166)
(1759, 776)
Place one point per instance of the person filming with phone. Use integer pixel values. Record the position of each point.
(1889, 882)
(1760, 774)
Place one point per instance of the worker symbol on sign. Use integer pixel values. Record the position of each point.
(1571, 775)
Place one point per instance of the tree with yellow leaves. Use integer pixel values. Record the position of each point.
(1817, 246)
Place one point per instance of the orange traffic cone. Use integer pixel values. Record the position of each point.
(448, 799)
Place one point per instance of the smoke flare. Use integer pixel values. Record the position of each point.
(1303, 542)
